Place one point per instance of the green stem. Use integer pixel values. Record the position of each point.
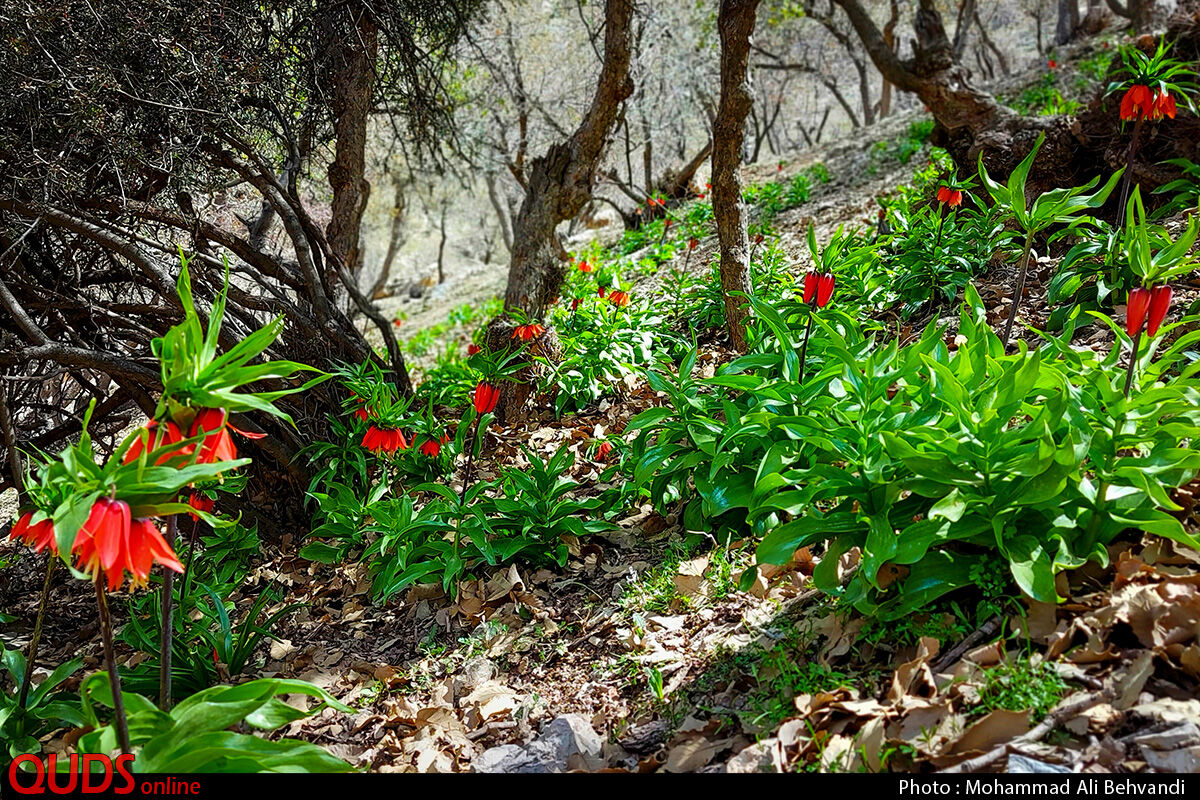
(804, 347)
(1127, 178)
(31, 655)
(168, 622)
(1133, 359)
(1012, 314)
(110, 663)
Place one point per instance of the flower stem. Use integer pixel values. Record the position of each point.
(1133, 359)
(1127, 178)
(110, 663)
(168, 622)
(31, 654)
(941, 223)
(804, 347)
(1012, 314)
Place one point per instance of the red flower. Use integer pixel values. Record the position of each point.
(810, 286)
(693, 243)
(950, 197)
(1164, 105)
(1052, 64)
(156, 438)
(575, 303)
(618, 298)
(473, 348)
(486, 397)
(667, 223)
(397, 322)
(708, 186)
(527, 332)
(758, 238)
(824, 289)
(1160, 303)
(39, 535)
(431, 448)
(1135, 311)
(213, 424)
(384, 440)
(585, 266)
(600, 290)
(603, 451)
(361, 414)
(200, 503)
(1138, 103)
(111, 542)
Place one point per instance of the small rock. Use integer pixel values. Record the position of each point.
(476, 672)
(1028, 766)
(565, 743)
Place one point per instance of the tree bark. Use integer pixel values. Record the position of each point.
(350, 84)
(735, 23)
(560, 181)
(971, 123)
(1140, 13)
(1068, 22)
(396, 238)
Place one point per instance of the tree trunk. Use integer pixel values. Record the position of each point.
(889, 39)
(1140, 13)
(396, 239)
(735, 23)
(1096, 18)
(350, 84)
(560, 181)
(970, 121)
(1068, 22)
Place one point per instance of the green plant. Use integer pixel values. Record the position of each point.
(1064, 207)
(930, 461)
(208, 645)
(932, 257)
(1021, 684)
(196, 737)
(1044, 99)
(47, 708)
(1184, 191)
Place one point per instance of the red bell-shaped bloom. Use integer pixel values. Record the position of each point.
(431, 448)
(618, 298)
(1160, 304)
(527, 332)
(113, 543)
(200, 503)
(585, 266)
(600, 290)
(575, 303)
(217, 446)
(1164, 105)
(384, 441)
(693, 243)
(473, 348)
(486, 397)
(810, 286)
(38, 535)
(824, 289)
(603, 451)
(1138, 103)
(155, 437)
(1135, 311)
